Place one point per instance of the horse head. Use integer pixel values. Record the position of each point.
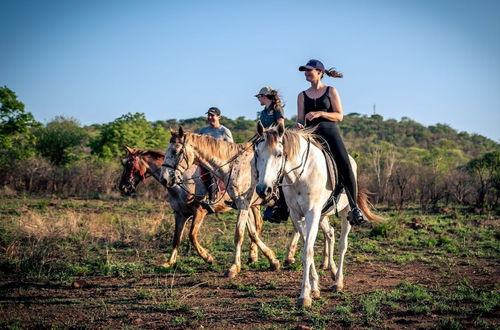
(134, 171)
(269, 159)
(178, 158)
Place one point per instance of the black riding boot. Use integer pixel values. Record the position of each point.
(277, 213)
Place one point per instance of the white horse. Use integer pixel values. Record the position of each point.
(298, 159)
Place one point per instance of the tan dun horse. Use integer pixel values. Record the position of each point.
(234, 165)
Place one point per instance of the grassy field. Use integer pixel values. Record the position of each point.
(72, 263)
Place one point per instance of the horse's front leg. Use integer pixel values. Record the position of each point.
(292, 246)
(253, 254)
(329, 233)
(312, 224)
(180, 222)
(345, 228)
(239, 234)
(198, 218)
(254, 236)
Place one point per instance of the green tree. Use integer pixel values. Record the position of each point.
(16, 138)
(486, 171)
(132, 130)
(61, 140)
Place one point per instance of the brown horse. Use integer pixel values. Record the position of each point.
(140, 164)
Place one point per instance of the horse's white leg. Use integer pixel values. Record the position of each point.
(253, 254)
(312, 224)
(239, 234)
(254, 235)
(180, 222)
(292, 248)
(329, 234)
(345, 228)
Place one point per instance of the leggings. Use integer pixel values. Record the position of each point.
(331, 133)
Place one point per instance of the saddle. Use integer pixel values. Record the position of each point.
(332, 171)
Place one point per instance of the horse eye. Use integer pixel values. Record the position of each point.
(174, 152)
(279, 154)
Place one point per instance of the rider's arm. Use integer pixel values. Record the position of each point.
(300, 111)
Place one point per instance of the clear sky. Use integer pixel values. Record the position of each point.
(434, 61)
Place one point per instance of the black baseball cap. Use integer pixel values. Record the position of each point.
(313, 65)
(214, 111)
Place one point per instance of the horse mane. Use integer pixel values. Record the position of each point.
(153, 153)
(214, 147)
(291, 139)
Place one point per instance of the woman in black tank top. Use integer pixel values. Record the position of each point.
(320, 106)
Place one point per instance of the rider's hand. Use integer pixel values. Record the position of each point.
(299, 125)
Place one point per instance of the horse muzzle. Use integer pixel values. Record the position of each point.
(264, 191)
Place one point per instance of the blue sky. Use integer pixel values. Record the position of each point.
(430, 60)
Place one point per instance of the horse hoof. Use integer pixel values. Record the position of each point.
(230, 274)
(210, 260)
(251, 261)
(167, 264)
(275, 265)
(289, 262)
(315, 293)
(324, 266)
(338, 288)
(304, 302)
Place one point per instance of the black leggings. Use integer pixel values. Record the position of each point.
(331, 133)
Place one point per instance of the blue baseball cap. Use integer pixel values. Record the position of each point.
(313, 65)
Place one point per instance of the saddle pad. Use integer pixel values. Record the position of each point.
(331, 203)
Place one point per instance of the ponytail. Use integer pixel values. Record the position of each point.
(275, 97)
(333, 73)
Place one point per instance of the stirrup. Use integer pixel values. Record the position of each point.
(207, 206)
(356, 217)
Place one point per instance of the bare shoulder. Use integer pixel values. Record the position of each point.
(333, 92)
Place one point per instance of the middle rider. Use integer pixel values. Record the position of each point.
(272, 115)
(218, 131)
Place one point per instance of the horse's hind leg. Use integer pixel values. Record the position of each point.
(253, 255)
(346, 227)
(198, 218)
(180, 222)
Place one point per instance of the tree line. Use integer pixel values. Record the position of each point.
(400, 162)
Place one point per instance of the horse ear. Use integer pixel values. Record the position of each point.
(129, 150)
(181, 131)
(260, 128)
(281, 129)
(171, 131)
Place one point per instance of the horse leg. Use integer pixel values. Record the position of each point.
(345, 228)
(292, 246)
(254, 235)
(198, 218)
(328, 233)
(180, 222)
(238, 241)
(312, 222)
(253, 255)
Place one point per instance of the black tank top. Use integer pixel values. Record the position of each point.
(322, 103)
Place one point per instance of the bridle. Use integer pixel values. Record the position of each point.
(282, 173)
(136, 168)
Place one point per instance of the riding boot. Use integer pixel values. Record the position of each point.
(212, 194)
(277, 213)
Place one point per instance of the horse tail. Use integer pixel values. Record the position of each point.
(364, 205)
